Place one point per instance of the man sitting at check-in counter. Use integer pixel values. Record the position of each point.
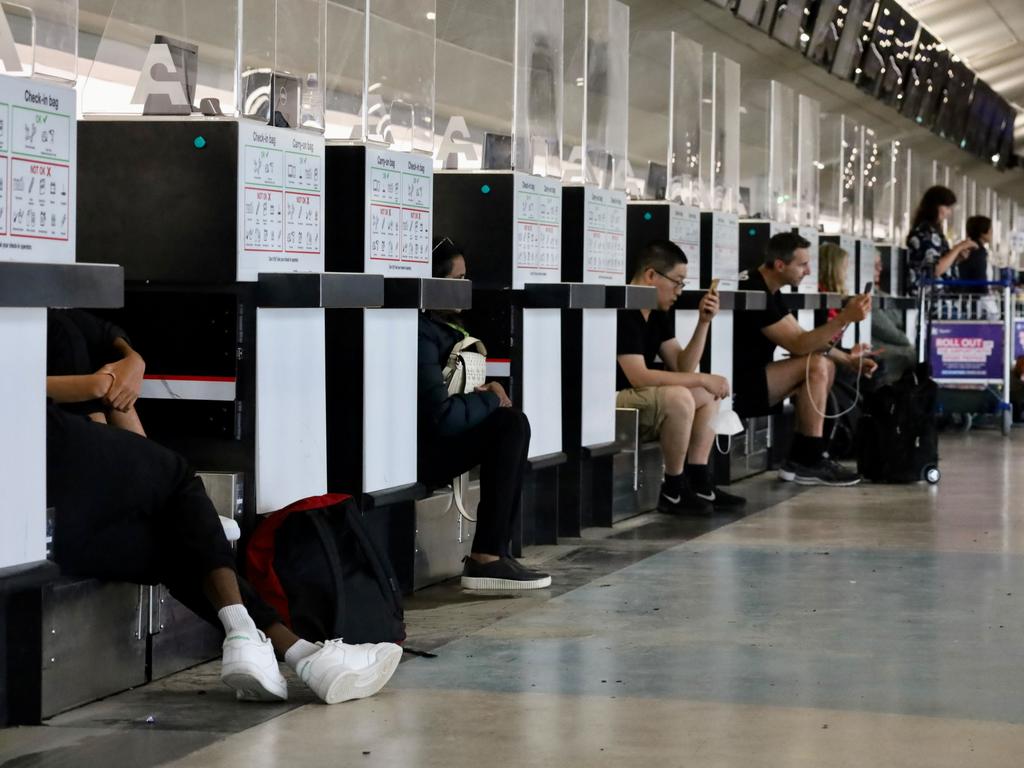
(762, 383)
(677, 405)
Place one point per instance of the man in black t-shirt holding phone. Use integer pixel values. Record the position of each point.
(677, 405)
(763, 383)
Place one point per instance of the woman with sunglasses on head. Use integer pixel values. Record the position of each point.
(461, 430)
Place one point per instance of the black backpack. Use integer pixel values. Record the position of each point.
(897, 437)
(316, 563)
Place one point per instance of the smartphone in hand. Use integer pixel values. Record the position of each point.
(713, 288)
(868, 287)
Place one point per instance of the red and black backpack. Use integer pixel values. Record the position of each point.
(317, 564)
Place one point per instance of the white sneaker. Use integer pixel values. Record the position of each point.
(249, 666)
(340, 672)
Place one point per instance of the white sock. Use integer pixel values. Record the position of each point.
(300, 650)
(236, 619)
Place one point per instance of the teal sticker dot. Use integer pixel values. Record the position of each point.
(648, 216)
(199, 142)
(486, 189)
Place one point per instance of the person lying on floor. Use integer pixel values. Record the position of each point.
(91, 368)
(127, 509)
(460, 431)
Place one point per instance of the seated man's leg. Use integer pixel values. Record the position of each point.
(130, 510)
(809, 380)
(702, 438)
(667, 413)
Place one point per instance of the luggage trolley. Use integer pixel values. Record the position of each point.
(967, 335)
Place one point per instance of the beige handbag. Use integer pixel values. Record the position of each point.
(467, 366)
(466, 370)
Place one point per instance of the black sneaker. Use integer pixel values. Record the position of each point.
(825, 472)
(505, 573)
(683, 501)
(721, 500)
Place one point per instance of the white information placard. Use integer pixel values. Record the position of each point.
(38, 180)
(725, 249)
(684, 231)
(810, 283)
(537, 247)
(280, 200)
(400, 201)
(604, 236)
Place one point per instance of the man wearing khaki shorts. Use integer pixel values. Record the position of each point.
(676, 404)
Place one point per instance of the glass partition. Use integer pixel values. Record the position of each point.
(768, 150)
(380, 72)
(596, 92)
(282, 66)
(755, 148)
(42, 40)
(871, 213)
(345, 71)
(901, 193)
(782, 155)
(720, 141)
(476, 48)
(499, 85)
(957, 182)
(808, 161)
(885, 192)
(841, 175)
(537, 125)
(161, 58)
(650, 114)
(922, 176)
(685, 178)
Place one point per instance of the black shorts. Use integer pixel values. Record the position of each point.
(750, 396)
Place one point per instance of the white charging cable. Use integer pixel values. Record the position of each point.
(856, 397)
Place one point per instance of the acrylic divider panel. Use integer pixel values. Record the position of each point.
(281, 218)
(604, 236)
(399, 194)
(684, 231)
(38, 181)
(537, 248)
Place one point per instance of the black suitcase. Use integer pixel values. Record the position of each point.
(897, 437)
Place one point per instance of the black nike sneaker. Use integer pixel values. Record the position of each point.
(683, 501)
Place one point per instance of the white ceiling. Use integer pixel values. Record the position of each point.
(990, 32)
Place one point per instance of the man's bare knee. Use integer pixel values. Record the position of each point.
(820, 369)
(677, 401)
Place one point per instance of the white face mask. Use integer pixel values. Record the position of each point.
(727, 423)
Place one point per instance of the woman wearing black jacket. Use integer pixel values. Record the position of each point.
(459, 432)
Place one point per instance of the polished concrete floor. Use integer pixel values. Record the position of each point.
(872, 626)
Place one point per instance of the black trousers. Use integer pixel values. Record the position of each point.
(128, 509)
(499, 445)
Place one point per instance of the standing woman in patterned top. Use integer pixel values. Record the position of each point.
(929, 254)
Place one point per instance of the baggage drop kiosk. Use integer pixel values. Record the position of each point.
(498, 194)
(664, 184)
(42, 673)
(380, 200)
(593, 252)
(202, 173)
